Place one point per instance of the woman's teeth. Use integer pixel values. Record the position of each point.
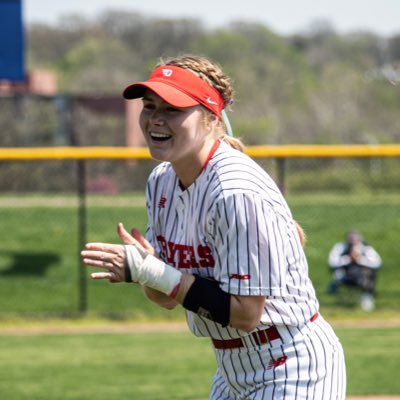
(159, 136)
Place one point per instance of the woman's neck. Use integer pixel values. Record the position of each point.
(189, 169)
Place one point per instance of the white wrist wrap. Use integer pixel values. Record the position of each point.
(150, 271)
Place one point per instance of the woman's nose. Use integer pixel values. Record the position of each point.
(156, 117)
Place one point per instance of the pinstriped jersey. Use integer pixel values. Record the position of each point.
(232, 225)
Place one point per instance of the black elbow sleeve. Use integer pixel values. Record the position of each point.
(208, 300)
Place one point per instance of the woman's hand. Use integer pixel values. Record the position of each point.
(112, 257)
(138, 238)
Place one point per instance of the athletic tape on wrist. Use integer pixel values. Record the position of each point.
(149, 271)
(208, 300)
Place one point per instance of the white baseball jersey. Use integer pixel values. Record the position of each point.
(233, 225)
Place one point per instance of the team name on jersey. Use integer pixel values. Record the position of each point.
(186, 256)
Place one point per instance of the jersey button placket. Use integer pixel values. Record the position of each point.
(181, 215)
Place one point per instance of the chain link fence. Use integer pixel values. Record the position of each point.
(50, 208)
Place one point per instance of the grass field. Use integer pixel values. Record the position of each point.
(160, 366)
(39, 251)
(39, 269)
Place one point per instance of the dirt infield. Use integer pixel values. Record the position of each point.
(62, 327)
(53, 327)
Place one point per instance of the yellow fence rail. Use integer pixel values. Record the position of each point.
(283, 151)
(82, 154)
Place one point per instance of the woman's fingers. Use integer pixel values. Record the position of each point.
(104, 255)
(102, 275)
(111, 257)
(105, 247)
(97, 263)
(125, 236)
(110, 275)
(135, 237)
(142, 241)
(97, 255)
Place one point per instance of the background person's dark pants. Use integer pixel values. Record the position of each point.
(354, 275)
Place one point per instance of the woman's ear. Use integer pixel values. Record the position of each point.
(212, 121)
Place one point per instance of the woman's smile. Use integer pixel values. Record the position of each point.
(159, 136)
(178, 135)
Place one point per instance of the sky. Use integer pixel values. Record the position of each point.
(284, 17)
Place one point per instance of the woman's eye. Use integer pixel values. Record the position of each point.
(173, 109)
(148, 106)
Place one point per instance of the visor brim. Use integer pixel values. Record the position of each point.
(168, 93)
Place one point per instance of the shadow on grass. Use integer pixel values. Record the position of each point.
(33, 264)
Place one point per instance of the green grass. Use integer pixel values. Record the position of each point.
(325, 220)
(112, 366)
(160, 366)
(40, 264)
(373, 360)
(39, 269)
(39, 261)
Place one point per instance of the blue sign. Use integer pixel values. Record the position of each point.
(12, 50)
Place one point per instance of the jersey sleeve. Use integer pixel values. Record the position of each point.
(250, 238)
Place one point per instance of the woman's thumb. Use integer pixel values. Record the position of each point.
(142, 240)
(124, 234)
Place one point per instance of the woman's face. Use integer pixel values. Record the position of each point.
(177, 135)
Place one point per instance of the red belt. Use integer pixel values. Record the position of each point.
(260, 337)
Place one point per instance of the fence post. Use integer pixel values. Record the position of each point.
(82, 280)
(281, 165)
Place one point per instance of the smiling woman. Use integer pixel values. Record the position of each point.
(183, 112)
(221, 242)
(172, 135)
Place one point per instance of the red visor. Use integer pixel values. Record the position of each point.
(178, 87)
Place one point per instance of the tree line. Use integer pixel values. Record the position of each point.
(317, 86)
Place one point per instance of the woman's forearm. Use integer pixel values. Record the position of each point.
(159, 298)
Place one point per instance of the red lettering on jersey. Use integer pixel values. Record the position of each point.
(192, 257)
(187, 257)
(206, 258)
(183, 262)
(163, 244)
(241, 277)
(171, 253)
(184, 256)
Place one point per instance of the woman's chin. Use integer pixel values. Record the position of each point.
(159, 154)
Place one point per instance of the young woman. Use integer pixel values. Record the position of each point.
(221, 242)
